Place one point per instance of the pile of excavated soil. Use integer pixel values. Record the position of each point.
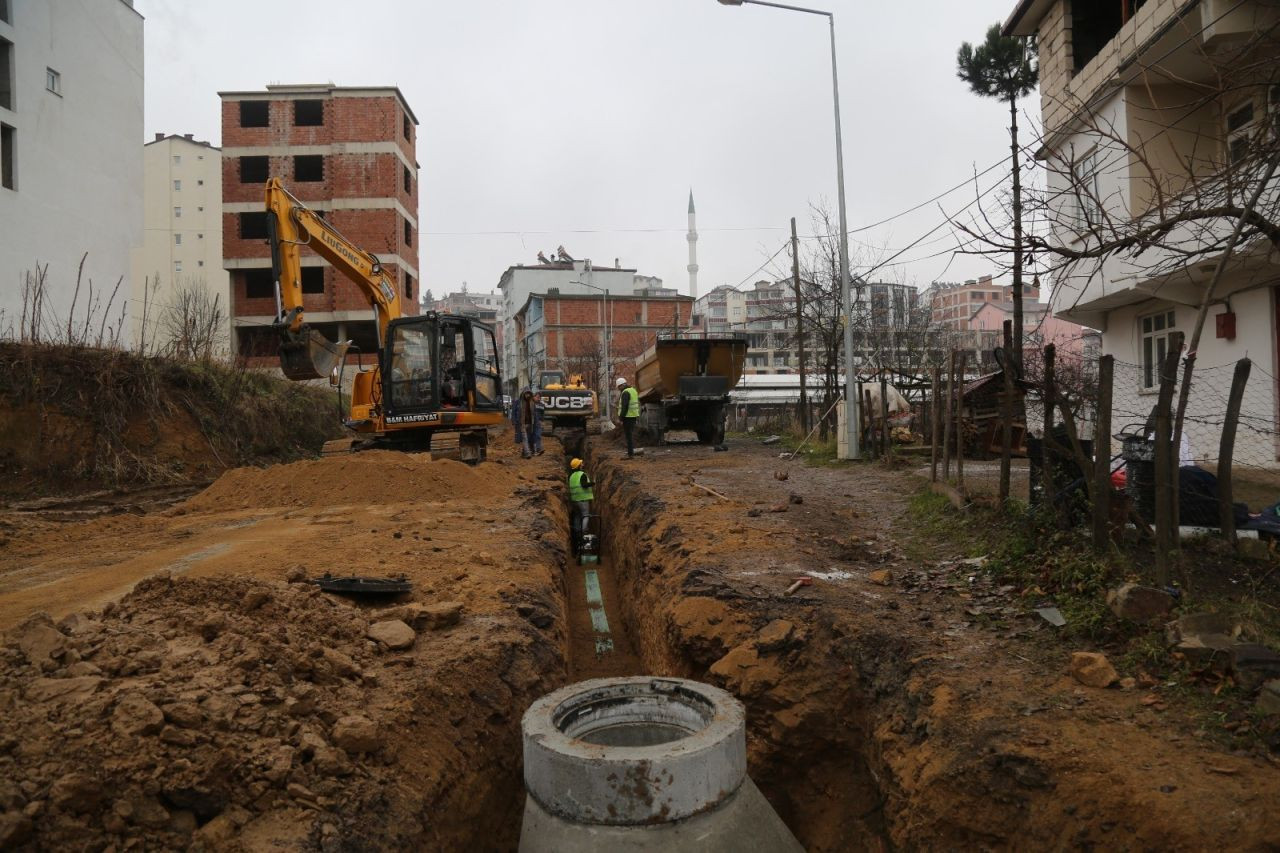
(371, 476)
(207, 712)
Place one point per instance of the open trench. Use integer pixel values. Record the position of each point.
(648, 610)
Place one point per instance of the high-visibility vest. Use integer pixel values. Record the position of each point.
(632, 407)
(577, 491)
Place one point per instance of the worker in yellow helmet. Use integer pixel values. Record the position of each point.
(580, 496)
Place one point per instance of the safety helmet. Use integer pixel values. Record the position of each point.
(620, 381)
(575, 463)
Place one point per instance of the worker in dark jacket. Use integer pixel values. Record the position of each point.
(581, 494)
(628, 412)
(527, 416)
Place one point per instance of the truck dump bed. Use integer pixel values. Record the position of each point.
(690, 365)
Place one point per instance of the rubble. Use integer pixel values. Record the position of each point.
(1092, 669)
(392, 633)
(1141, 604)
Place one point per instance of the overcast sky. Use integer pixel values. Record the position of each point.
(584, 123)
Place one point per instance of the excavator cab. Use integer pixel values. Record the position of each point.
(438, 370)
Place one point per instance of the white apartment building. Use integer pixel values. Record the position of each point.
(563, 275)
(70, 164)
(178, 268)
(1152, 109)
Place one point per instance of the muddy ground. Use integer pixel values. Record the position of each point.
(217, 705)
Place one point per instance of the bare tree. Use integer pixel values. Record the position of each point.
(193, 324)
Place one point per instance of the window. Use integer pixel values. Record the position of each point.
(8, 157)
(177, 185)
(258, 283)
(199, 236)
(407, 129)
(199, 263)
(177, 266)
(1240, 130)
(308, 168)
(408, 180)
(1155, 345)
(408, 287)
(1094, 23)
(199, 210)
(253, 226)
(177, 239)
(408, 233)
(177, 159)
(4, 12)
(1084, 173)
(199, 183)
(308, 113)
(255, 113)
(313, 279)
(177, 213)
(6, 74)
(53, 81)
(254, 170)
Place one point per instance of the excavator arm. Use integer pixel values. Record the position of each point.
(304, 352)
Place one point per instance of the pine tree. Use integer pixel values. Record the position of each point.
(1005, 67)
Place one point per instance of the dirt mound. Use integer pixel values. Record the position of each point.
(232, 713)
(75, 419)
(372, 476)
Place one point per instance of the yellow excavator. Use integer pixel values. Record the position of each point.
(435, 373)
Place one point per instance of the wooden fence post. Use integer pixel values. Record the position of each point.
(935, 426)
(1049, 395)
(1166, 471)
(1227, 449)
(946, 417)
(1102, 456)
(1006, 413)
(960, 358)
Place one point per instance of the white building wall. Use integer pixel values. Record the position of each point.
(1215, 363)
(179, 252)
(77, 163)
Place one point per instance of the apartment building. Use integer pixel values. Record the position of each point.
(177, 273)
(1159, 116)
(953, 303)
(592, 336)
(349, 153)
(70, 162)
(563, 274)
(485, 307)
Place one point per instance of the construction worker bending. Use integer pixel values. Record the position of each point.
(580, 497)
(629, 412)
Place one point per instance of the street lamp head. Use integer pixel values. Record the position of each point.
(730, 2)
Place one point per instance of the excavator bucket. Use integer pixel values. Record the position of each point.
(307, 354)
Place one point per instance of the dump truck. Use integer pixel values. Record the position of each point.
(684, 381)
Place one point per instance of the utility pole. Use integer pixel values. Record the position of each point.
(795, 279)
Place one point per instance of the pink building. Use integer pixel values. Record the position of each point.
(1039, 327)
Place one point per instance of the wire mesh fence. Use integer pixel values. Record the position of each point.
(1053, 411)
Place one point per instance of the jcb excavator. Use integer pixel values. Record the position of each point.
(435, 372)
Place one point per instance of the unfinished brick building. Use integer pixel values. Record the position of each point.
(348, 153)
(567, 331)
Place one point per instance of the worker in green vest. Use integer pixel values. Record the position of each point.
(580, 497)
(629, 412)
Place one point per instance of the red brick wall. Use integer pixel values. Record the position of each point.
(630, 334)
(373, 119)
(381, 231)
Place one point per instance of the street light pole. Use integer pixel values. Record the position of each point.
(604, 322)
(846, 303)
